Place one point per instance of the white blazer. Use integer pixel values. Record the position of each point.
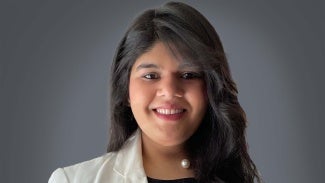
(123, 166)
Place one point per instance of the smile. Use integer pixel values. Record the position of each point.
(170, 114)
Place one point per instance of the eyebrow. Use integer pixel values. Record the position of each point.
(146, 66)
(182, 66)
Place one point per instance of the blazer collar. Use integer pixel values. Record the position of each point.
(129, 160)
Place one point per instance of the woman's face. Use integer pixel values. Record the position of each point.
(167, 96)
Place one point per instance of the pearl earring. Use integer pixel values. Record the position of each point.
(185, 163)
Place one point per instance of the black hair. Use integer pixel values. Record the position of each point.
(218, 148)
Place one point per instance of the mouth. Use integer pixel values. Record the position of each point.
(168, 114)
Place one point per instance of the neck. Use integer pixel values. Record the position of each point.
(163, 162)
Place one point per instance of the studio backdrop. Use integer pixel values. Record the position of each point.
(54, 79)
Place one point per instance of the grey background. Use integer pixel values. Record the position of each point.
(55, 58)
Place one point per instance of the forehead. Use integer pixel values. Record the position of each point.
(162, 54)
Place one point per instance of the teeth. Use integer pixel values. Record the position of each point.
(169, 111)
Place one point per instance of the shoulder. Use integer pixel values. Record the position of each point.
(111, 167)
(87, 170)
(93, 164)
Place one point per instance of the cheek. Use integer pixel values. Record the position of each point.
(135, 99)
(199, 93)
(199, 98)
(139, 92)
(204, 95)
(202, 101)
(134, 91)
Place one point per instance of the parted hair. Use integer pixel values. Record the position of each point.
(218, 149)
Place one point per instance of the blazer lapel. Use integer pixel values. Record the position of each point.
(128, 164)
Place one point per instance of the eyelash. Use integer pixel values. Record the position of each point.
(191, 75)
(184, 75)
(151, 76)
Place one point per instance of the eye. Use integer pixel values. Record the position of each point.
(191, 75)
(151, 76)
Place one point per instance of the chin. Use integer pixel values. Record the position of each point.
(172, 142)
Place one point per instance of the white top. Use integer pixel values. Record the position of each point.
(122, 166)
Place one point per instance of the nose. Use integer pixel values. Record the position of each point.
(170, 87)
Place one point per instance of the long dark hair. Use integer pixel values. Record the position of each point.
(218, 148)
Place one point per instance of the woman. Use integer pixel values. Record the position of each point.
(175, 112)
